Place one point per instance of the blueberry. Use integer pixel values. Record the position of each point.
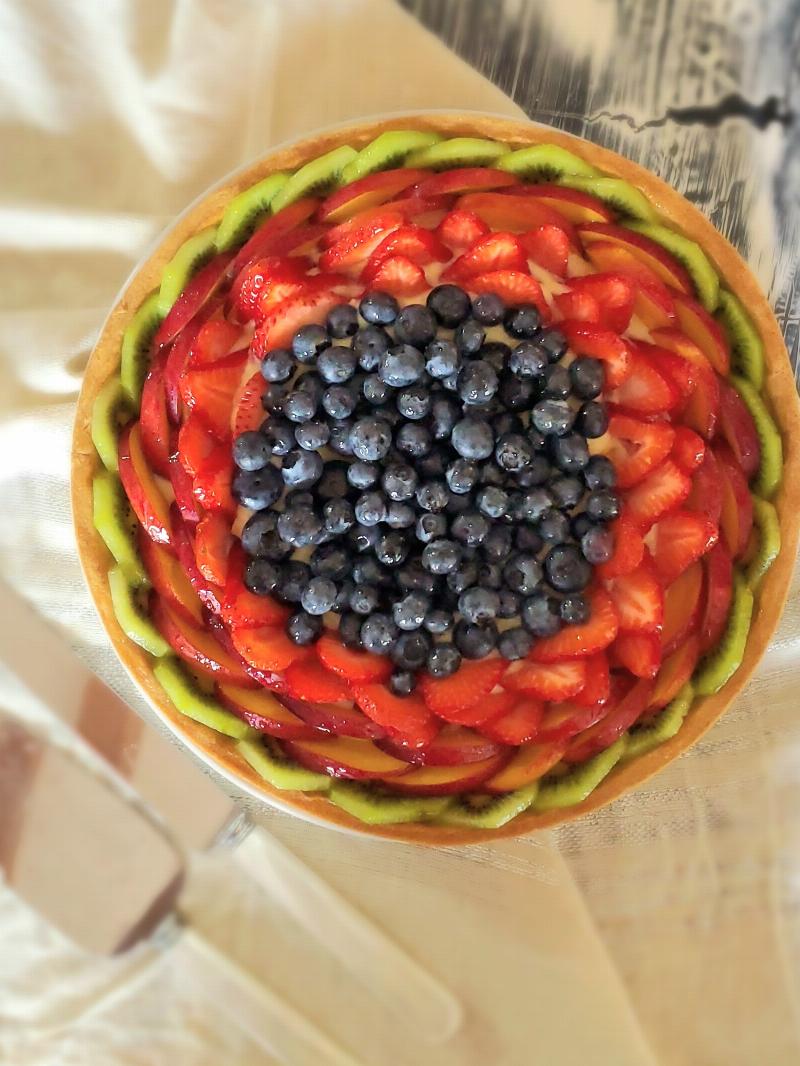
(350, 629)
(479, 605)
(580, 524)
(312, 384)
(413, 577)
(516, 394)
(414, 402)
(340, 436)
(312, 435)
(294, 578)
(344, 590)
(434, 464)
(257, 489)
(369, 344)
(366, 570)
(526, 539)
(490, 576)
(318, 596)
(554, 344)
(402, 683)
(400, 515)
(411, 650)
(338, 516)
(557, 383)
(497, 545)
(602, 505)
(592, 420)
(473, 438)
(415, 325)
(523, 322)
(515, 643)
(441, 556)
(410, 611)
(469, 337)
(251, 450)
(432, 496)
(261, 576)
(299, 498)
(442, 358)
(363, 475)
(308, 342)
(575, 610)
(375, 391)
(527, 360)
(553, 526)
(537, 439)
(449, 304)
(370, 508)
(301, 469)
(462, 476)
(273, 398)
(488, 309)
(279, 435)
(445, 412)
(255, 529)
(402, 365)
(330, 560)
(597, 544)
(337, 364)
(277, 365)
(496, 354)
(599, 473)
(470, 528)
(513, 452)
(273, 548)
(378, 308)
(392, 549)
(443, 661)
(508, 604)
(540, 614)
(522, 573)
(477, 382)
(378, 633)
(430, 526)
(458, 502)
(342, 321)
(566, 492)
(303, 628)
(464, 577)
(493, 501)
(438, 621)
(364, 599)
(299, 526)
(371, 438)
(587, 376)
(553, 417)
(300, 405)
(536, 473)
(533, 504)
(414, 439)
(475, 641)
(570, 453)
(566, 568)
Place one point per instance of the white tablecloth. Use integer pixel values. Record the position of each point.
(661, 930)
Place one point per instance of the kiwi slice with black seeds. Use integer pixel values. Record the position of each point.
(375, 805)
(770, 469)
(188, 259)
(266, 757)
(765, 520)
(458, 152)
(315, 178)
(116, 523)
(246, 211)
(130, 607)
(690, 255)
(574, 786)
(644, 738)
(623, 197)
(136, 343)
(723, 662)
(483, 811)
(190, 698)
(110, 412)
(388, 150)
(747, 350)
(545, 162)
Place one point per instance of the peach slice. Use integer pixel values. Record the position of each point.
(169, 580)
(648, 252)
(146, 498)
(527, 764)
(707, 334)
(264, 712)
(371, 191)
(574, 205)
(736, 519)
(345, 757)
(454, 746)
(682, 607)
(196, 645)
(445, 780)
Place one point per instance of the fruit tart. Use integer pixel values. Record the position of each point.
(437, 477)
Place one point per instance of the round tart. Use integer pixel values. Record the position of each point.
(435, 478)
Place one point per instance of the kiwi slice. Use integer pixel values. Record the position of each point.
(747, 351)
(246, 211)
(116, 523)
(376, 805)
(130, 607)
(644, 738)
(574, 786)
(267, 759)
(192, 700)
(770, 470)
(388, 150)
(723, 662)
(188, 259)
(458, 152)
(315, 178)
(690, 254)
(547, 162)
(136, 342)
(623, 197)
(488, 812)
(765, 518)
(110, 413)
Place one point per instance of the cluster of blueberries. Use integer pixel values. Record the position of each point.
(426, 483)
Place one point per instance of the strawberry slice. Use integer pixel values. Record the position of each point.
(661, 491)
(548, 681)
(579, 641)
(706, 492)
(463, 180)
(247, 412)
(472, 682)
(404, 715)
(359, 241)
(612, 725)
(646, 390)
(640, 653)
(414, 242)
(212, 543)
(267, 649)
(242, 609)
(196, 442)
(263, 240)
(548, 247)
(718, 567)
(214, 341)
(738, 429)
(142, 488)
(177, 361)
(351, 664)
(517, 725)
(183, 542)
(675, 671)
(496, 251)
(281, 324)
(615, 295)
(368, 192)
(397, 275)
(212, 483)
(461, 229)
(598, 682)
(491, 706)
(259, 277)
(502, 211)
(680, 539)
(408, 208)
(682, 607)
(194, 297)
(183, 488)
(637, 447)
(210, 389)
(638, 599)
(680, 371)
(628, 548)
(514, 288)
(310, 680)
(578, 306)
(688, 449)
(700, 412)
(600, 344)
(153, 417)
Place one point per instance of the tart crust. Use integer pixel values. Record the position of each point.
(779, 388)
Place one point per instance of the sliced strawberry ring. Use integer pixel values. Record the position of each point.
(495, 251)
(628, 548)
(209, 390)
(516, 726)
(359, 241)
(415, 243)
(310, 680)
(396, 274)
(514, 288)
(647, 390)
(597, 689)
(247, 412)
(281, 324)
(259, 277)
(578, 307)
(459, 230)
(679, 539)
(262, 241)
(548, 681)
(193, 298)
(580, 641)
(615, 295)
(407, 715)
(267, 649)
(638, 599)
(637, 447)
(213, 481)
(600, 344)
(242, 609)
(660, 492)
(548, 246)
(355, 666)
(450, 697)
(639, 653)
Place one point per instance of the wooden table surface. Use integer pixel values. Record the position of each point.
(706, 93)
